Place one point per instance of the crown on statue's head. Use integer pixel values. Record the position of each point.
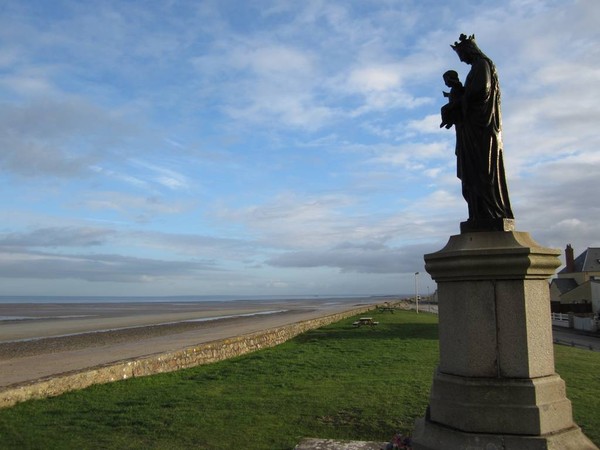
(464, 42)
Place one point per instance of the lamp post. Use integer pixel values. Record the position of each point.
(417, 290)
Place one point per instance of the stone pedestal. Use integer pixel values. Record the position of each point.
(495, 387)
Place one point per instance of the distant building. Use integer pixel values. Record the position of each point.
(577, 288)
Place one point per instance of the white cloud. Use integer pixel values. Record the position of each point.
(196, 245)
(56, 237)
(137, 208)
(275, 83)
(376, 78)
(50, 137)
(274, 61)
(95, 268)
(356, 258)
(27, 84)
(292, 221)
(164, 176)
(430, 124)
(412, 154)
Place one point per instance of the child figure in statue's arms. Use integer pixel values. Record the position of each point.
(452, 111)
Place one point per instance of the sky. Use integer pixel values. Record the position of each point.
(276, 147)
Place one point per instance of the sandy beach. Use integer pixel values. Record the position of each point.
(41, 340)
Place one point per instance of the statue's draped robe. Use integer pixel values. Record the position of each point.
(480, 164)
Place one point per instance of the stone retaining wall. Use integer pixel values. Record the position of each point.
(205, 353)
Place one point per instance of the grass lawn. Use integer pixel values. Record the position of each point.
(334, 382)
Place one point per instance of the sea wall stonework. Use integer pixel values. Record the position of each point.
(204, 353)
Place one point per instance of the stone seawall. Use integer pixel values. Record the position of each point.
(204, 353)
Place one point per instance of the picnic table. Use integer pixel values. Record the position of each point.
(365, 321)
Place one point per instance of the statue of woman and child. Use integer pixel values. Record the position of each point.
(474, 111)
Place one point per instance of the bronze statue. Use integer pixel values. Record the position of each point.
(474, 110)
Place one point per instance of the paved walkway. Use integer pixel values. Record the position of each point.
(331, 444)
(573, 338)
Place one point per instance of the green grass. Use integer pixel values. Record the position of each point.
(581, 371)
(334, 382)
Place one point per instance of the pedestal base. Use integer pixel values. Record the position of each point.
(432, 436)
(496, 387)
(535, 406)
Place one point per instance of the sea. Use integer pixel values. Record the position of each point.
(61, 310)
(4, 299)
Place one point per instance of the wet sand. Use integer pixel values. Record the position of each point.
(41, 340)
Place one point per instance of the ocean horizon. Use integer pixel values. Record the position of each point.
(42, 299)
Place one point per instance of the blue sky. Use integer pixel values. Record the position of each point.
(275, 147)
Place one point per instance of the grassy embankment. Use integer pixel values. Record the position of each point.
(334, 382)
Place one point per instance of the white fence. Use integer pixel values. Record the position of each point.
(589, 324)
(560, 320)
(585, 324)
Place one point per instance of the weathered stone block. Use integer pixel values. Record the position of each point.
(524, 329)
(498, 405)
(432, 436)
(468, 338)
